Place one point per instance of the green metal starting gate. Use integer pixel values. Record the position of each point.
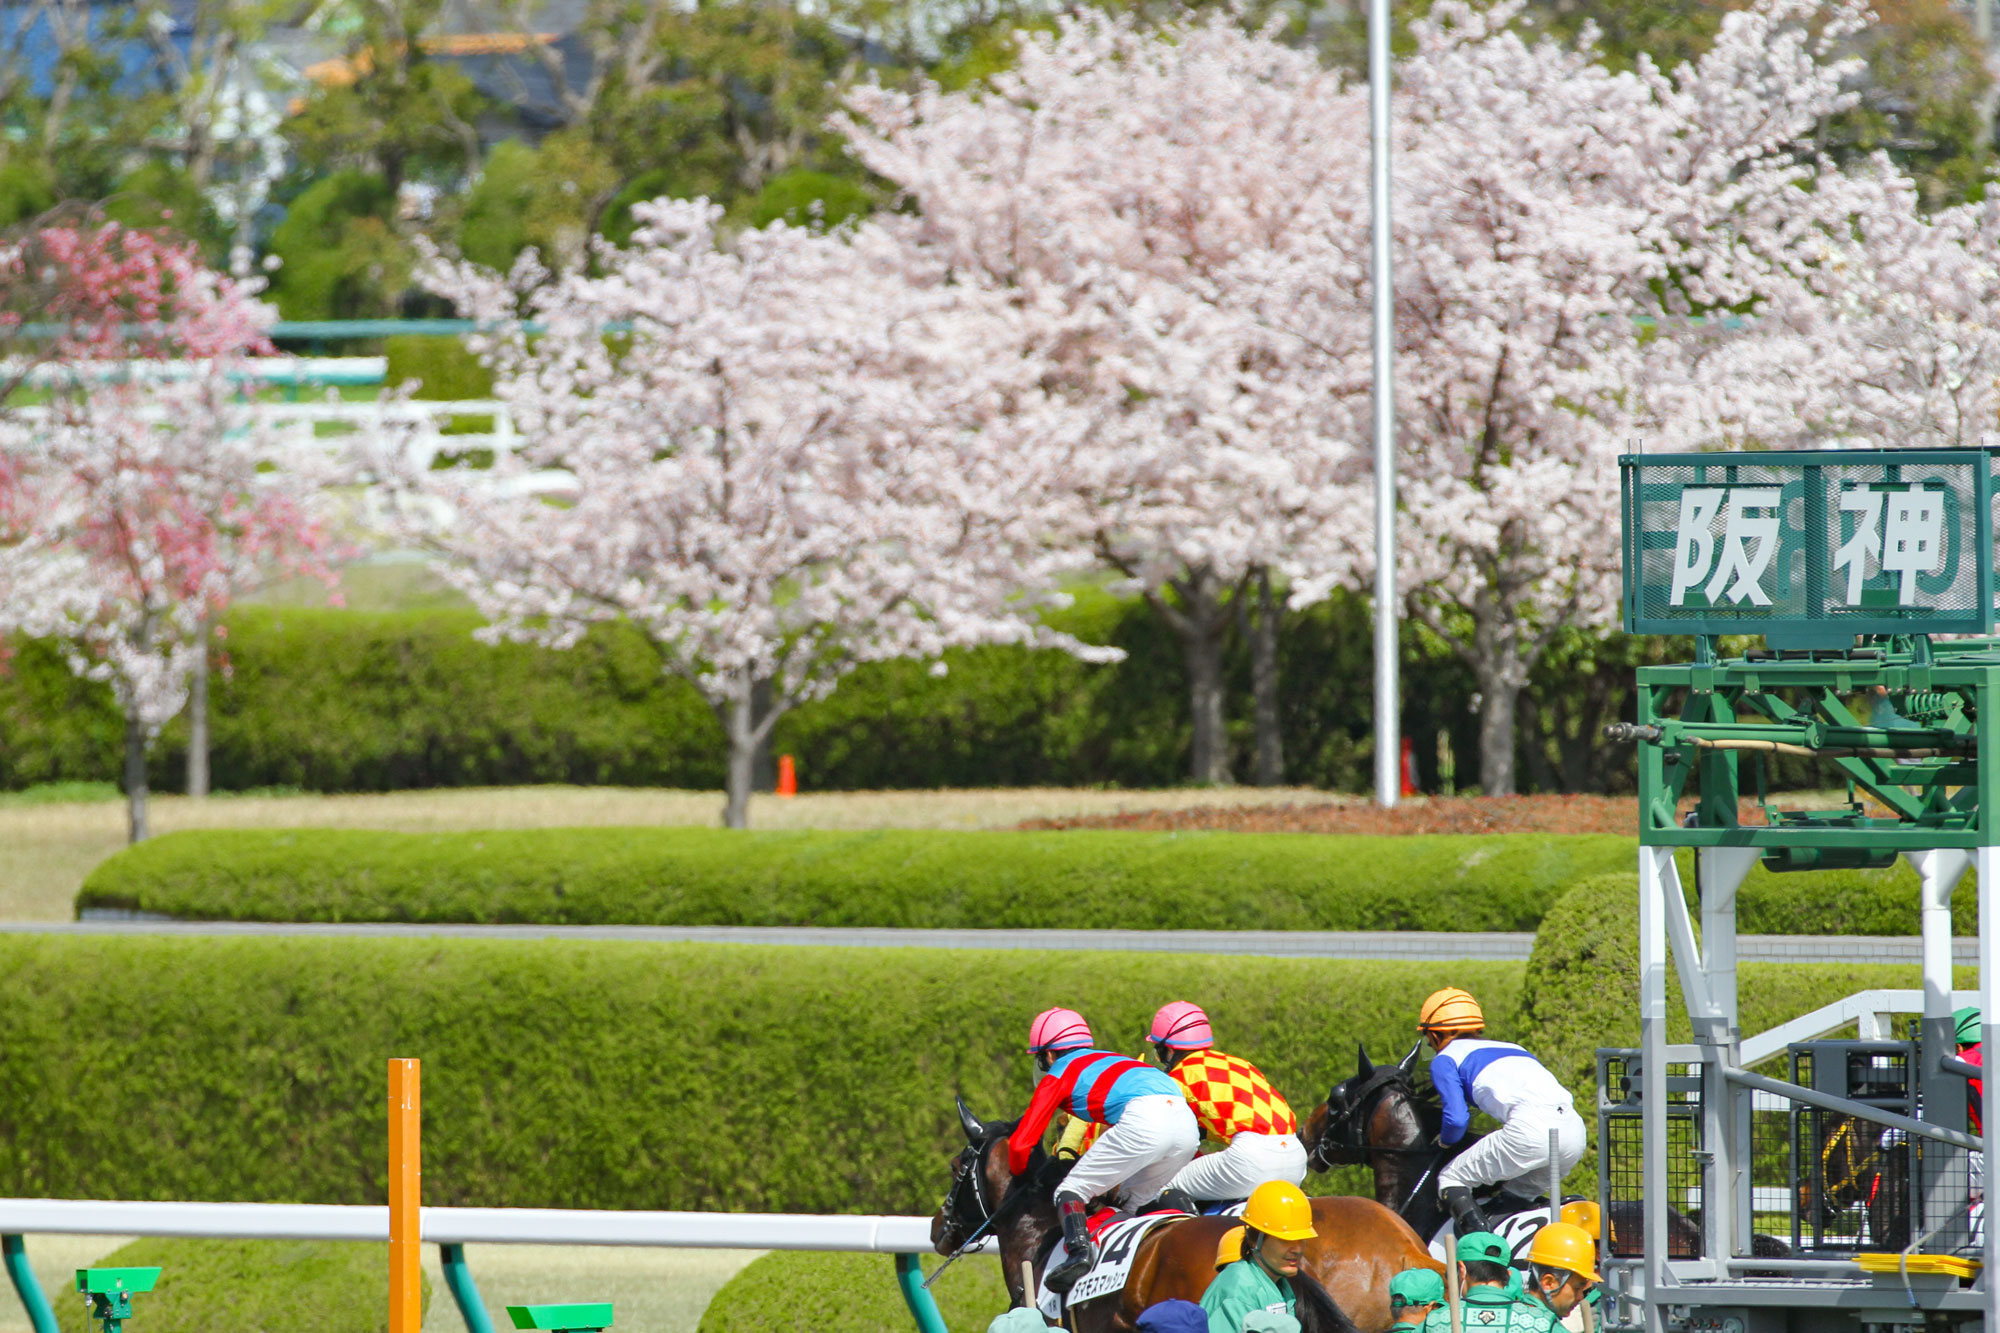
(1843, 606)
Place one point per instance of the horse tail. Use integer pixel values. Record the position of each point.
(1316, 1308)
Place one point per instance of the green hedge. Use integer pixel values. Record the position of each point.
(1078, 879)
(596, 1075)
(253, 1285)
(929, 878)
(606, 1075)
(794, 1292)
(339, 701)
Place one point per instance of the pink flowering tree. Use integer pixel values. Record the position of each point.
(776, 460)
(172, 493)
(1134, 238)
(1587, 262)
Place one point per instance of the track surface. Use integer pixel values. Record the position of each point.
(1395, 945)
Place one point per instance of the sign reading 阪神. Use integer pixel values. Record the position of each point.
(1809, 549)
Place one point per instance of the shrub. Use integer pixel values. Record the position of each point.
(905, 877)
(354, 701)
(799, 1292)
(340, 253)
(252, 1285)
(442, 367)
(596, 1075)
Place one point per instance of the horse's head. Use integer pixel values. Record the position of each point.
(1375, 1110)
(980, 1182)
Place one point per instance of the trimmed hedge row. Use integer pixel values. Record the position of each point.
(607, 1075)
(596, 1075)
(924, 878)
(341, 701)
(253, 1285)
(927, 878)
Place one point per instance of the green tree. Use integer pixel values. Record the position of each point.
(340, 255)
(159, 194)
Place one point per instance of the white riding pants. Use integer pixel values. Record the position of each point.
(1152, 1141)
(1519, 1151)
(1247, 1162)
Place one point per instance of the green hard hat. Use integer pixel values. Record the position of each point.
(1966, 1021)
(1416, 1286)
(1483, 1247)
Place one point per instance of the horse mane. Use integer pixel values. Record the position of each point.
(1317, 1311)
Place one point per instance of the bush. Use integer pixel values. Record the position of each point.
(351, 701)
(598, 1075)
(341, 256)
(799, 1292)
(442, 367)
(905, 877)
(254, 1285)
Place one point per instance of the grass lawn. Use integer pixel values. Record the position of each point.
(48, 846)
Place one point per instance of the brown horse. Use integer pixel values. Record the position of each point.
(1360, 1245)
(1378, 1119)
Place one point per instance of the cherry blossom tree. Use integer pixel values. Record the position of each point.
(1588, 262)
(777, 460)
(171, 490)
(1134, 236)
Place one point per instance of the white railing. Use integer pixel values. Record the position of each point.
(470, 1226)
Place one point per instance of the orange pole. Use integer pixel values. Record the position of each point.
(788, 776)
(406, 1197)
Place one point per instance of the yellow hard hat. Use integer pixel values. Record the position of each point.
(1280, 1208)
(1567, 1246)
(1230, 1248)
(1583, 1213)
(1451, 1010)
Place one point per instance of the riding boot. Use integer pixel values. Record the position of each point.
(1081, 1254)
(1464, 1211)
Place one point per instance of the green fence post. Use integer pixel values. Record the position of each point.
(40, 1316)
(923, 1308)
(464, 1291)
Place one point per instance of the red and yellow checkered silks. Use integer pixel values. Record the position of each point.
(1228, 1096)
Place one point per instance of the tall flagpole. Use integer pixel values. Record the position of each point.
(1388, 744)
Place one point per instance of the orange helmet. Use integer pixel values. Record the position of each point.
(1451, 1011)
(1563, 1246)
(1583, 1213)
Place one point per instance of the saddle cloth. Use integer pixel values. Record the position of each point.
(1517, 1229)
(1117, 1246)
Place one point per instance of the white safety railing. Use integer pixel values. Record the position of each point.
(471, 1226)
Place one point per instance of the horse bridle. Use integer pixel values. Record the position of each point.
(1344, 1135)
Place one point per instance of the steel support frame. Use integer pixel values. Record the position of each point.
(1941, 838)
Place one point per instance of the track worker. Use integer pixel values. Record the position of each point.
(1508, 1084)
(1234, 1103)
(1562, 1269)
(1485, 1284)
(1413, 1294)
(1151, 1133)
(1277, 1223)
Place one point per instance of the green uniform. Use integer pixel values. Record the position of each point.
(1240, 1288)
(1494, 1310)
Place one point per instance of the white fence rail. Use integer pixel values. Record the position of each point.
(471, 1226)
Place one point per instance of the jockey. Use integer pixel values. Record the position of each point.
(1966, 1025)
(1151, 1133)
(1508, 1084)
(1234, 1103)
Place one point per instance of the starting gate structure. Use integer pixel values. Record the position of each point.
(1850, 1192)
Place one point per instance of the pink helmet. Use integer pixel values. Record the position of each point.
(1058, 1030)
(1181, 1025)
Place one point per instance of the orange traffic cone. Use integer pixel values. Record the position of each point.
(1409, 767)
(788, 776)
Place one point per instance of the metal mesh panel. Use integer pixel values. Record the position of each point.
(1834, 544)
(1621, 1160)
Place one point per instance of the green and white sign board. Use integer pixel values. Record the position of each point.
(1809, 549)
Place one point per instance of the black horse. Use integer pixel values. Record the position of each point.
(1379, 1119)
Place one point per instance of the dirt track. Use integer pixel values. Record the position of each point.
(1436, 814)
